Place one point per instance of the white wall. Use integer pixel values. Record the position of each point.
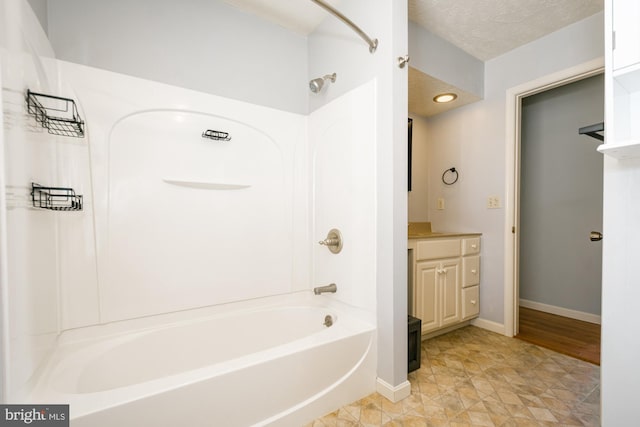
(472, 138)
(419, 194)
(204, 45)
(620, 292)
(333, 47)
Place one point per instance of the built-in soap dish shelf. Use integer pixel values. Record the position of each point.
(56, 114)
(55, 198)
(205, 185)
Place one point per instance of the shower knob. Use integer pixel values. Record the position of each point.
(333, 241)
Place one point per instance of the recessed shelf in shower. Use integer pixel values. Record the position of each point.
(56, 114)
(55, 198)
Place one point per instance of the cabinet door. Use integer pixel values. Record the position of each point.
(470, 271)
(450, 292)
(470, 302)
(626, 14)
(426, 295)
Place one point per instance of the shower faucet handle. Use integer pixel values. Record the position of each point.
(333, 241)
(329, 242)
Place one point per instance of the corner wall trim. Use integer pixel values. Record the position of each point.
(561, 311)
(394, 394)
(489, 325)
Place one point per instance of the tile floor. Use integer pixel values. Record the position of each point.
(473, 377)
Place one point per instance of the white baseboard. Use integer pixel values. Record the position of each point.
(489, 325)
(394, 394)
(561, 311)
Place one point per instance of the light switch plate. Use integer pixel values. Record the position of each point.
(440, 204)
(493, 202)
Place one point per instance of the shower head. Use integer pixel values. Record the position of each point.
(316, 84)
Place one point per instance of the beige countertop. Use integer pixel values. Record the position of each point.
(422, 230)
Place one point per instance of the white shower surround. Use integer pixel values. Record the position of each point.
(299, 176)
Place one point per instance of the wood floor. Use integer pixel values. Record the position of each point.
(572, 337)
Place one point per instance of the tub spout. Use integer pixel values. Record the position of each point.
(322, 289)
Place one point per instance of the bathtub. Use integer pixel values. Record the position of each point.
(264, 362)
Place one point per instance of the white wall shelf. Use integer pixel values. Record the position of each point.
(629, 149)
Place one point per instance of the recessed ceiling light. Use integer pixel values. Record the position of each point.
(444, 97)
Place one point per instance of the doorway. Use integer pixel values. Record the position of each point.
(515, 96)
(560, 268)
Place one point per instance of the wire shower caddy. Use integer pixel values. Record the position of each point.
(56, 114)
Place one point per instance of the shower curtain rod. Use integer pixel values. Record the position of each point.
(373, 43)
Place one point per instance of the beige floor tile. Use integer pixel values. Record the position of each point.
(473, 377)
(542, 414)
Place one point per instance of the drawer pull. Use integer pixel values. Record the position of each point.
(474, 246)
(473, 302)
(474, 271)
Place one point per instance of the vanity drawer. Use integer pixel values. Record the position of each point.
(433, 249)
(471, 246)
(470, 302)
(470, 271)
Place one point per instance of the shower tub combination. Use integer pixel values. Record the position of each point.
(182, 322)
(268, 362)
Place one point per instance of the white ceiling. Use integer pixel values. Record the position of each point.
(488, 28)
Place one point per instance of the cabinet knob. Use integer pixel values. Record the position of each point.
(474, 271)
(473, 302)
(474, 246)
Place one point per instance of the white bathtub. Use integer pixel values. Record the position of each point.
(265, 362)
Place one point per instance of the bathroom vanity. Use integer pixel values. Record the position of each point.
(444, 278)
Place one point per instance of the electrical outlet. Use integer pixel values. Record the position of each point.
(493, 202)
(440, 203)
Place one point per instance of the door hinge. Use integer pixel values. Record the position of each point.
(513, 229)
(613, 40)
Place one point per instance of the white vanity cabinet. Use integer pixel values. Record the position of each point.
(445, 280)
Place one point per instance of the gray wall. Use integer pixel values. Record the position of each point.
(561, 197)
(445, 61)
(203, 45)
(40, 9)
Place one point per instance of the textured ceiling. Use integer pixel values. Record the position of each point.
(488, 28)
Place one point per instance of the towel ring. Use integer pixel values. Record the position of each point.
(451, 180)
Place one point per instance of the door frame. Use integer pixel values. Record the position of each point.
(512, 196)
